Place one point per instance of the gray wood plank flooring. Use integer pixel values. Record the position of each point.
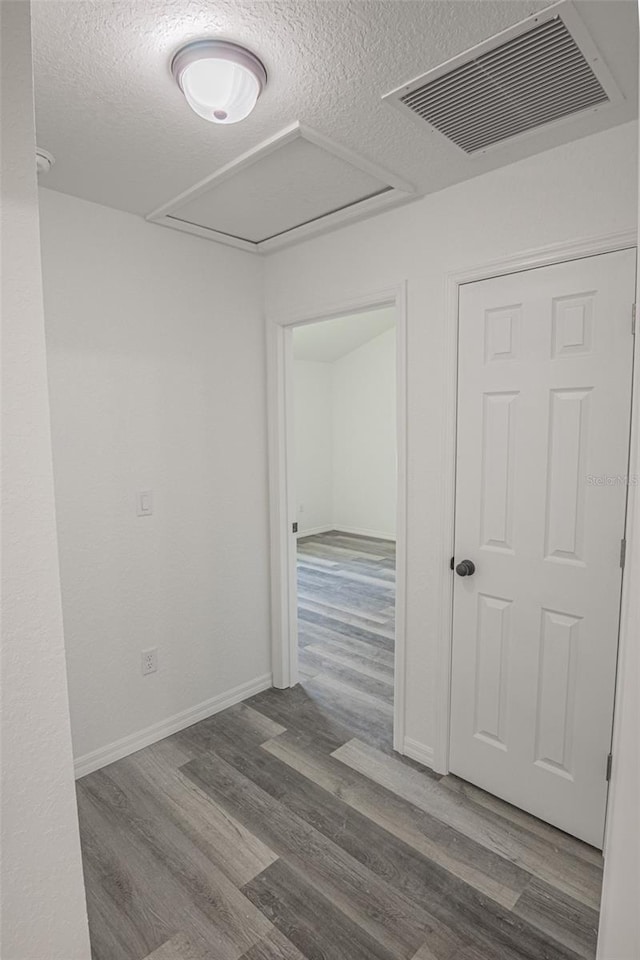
(346, 626)
(285, 828)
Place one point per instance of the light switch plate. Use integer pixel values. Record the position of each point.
(145, 503)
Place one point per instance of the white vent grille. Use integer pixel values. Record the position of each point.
(535, 77)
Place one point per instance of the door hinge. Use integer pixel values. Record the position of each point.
(623, 552)
(633, 319)
(294, 528)
(609, 765)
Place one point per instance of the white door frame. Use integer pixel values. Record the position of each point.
(282, 503)
(529, 260)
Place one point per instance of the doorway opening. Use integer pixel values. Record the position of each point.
(345, 478)
(338, 513)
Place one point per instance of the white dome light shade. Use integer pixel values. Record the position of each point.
(221, 81)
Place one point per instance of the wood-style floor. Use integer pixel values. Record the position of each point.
(346, 629)
(285, 828)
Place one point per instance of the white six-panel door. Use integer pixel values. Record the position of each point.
(543, 433)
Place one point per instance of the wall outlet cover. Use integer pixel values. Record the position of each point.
(149, 660)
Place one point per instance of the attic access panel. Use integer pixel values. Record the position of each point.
(296, 184)
(542, 71)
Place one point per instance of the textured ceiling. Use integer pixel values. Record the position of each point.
(329, 340)
(122, 134)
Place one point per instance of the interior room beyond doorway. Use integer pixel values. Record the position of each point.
(345, 478)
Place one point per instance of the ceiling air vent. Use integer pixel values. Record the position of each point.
(541, 71)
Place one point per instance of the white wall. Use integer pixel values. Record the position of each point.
(364, 439)
(313, 441)
(579, 190)
(43, 908)
(156, 365)
(345, 441)
(619, 933)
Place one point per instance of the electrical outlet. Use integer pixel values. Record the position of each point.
(149, 660)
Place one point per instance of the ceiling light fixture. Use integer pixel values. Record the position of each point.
(221, 81)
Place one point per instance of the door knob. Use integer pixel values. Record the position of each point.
(466, 568)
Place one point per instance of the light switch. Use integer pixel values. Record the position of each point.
(145, 503)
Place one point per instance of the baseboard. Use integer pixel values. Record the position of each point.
(361, 532)
(418, 751)
(352, 531)
(164, 728)
(314, 530)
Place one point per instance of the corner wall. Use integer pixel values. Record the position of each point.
(155, 346)
(364, 439)
(345, 441)
(43, 909)
(619, 931)
(579, 190)
(313, 439)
